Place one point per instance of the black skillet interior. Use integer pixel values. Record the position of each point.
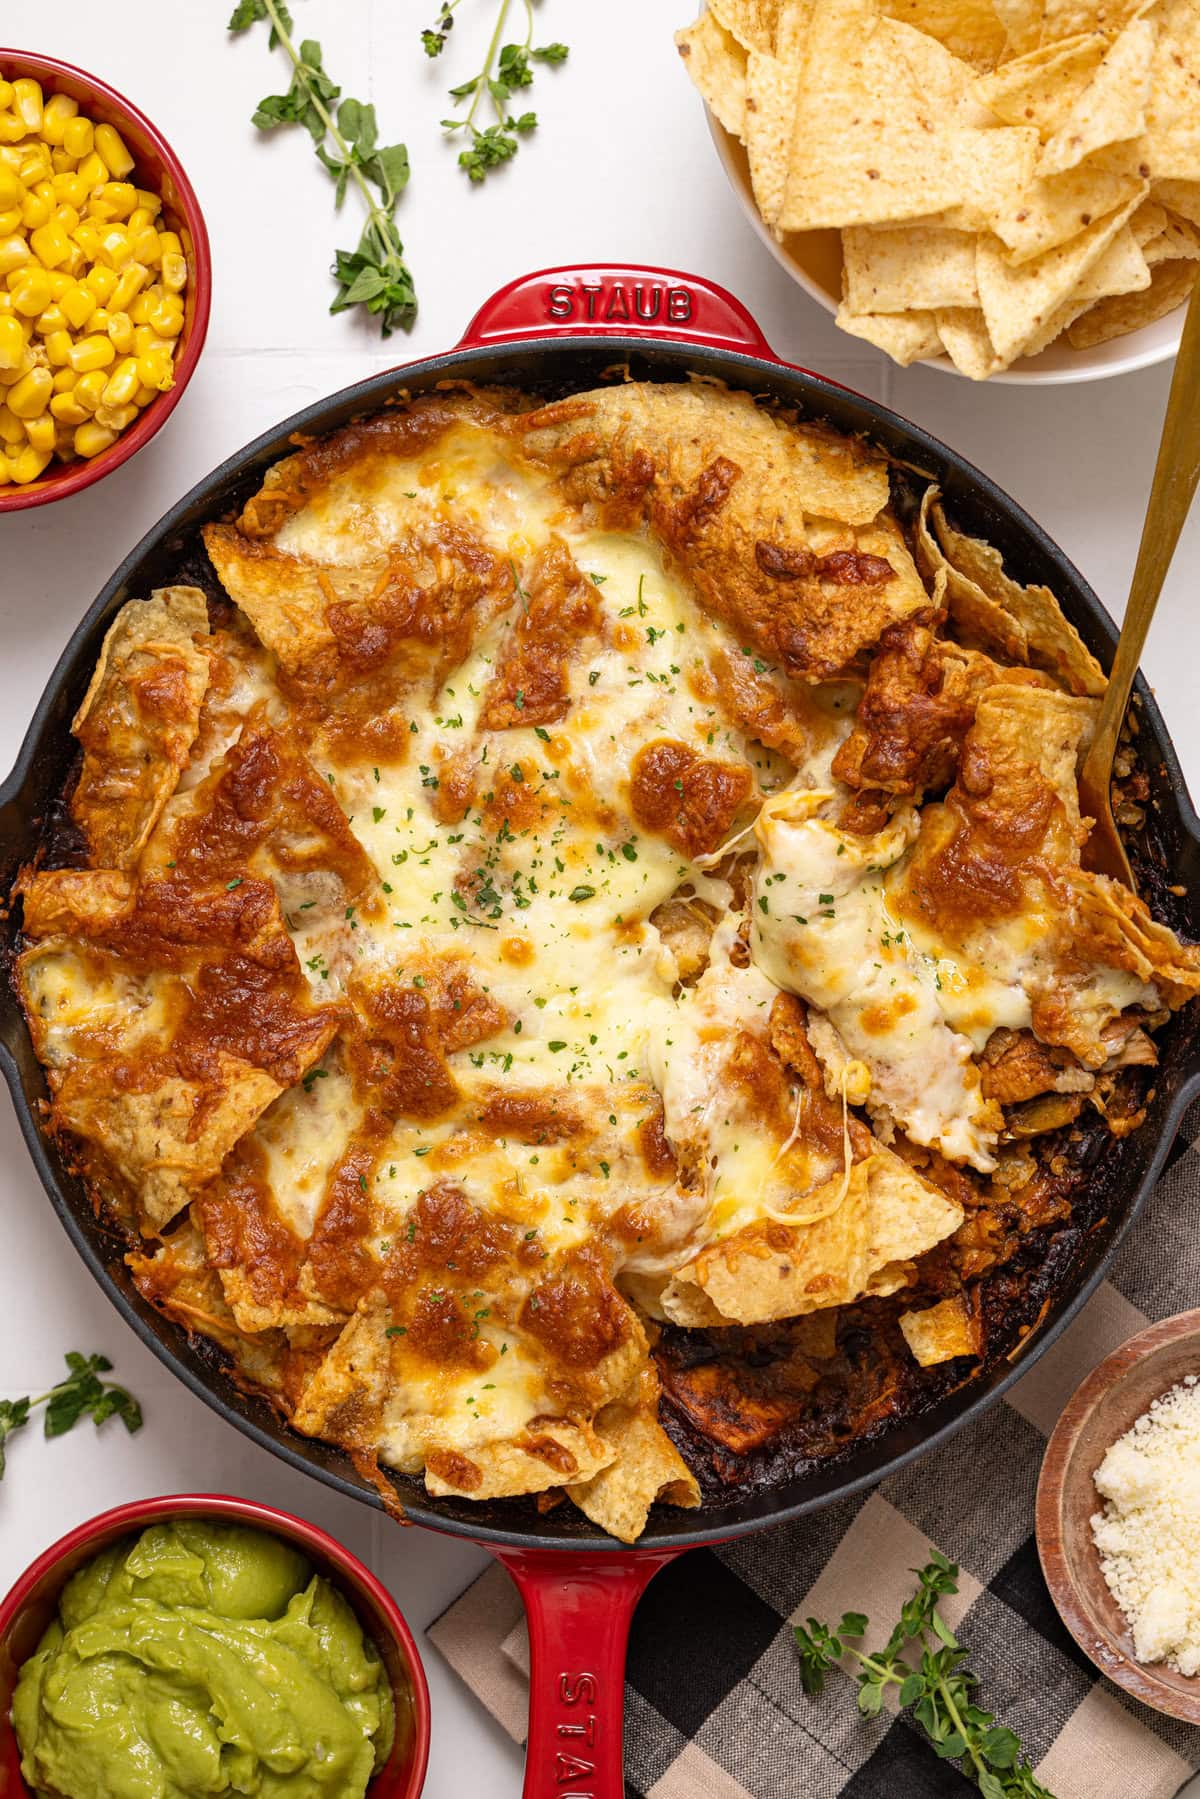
(172, 552)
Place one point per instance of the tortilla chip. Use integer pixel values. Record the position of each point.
(867, 146)
(1067, 18)
(1057, 210)
(752, 23)
(548, 1454)
(1178, 241)
(772, 85)
(647, 1468)
(964, 335)
(1182, 197)
(944, 79)
(904, 336)
(1022, 21)
(138, 721)
(1113, 106)
(1118, 931)
(1018, 302)
(909, 268)
(1122, 269)
(888, 1216)
(716, 63)
(942, 1332)
(995, 169)
(1051, 641)
(151, 1138)
(978, 618)
(1041, 87)
(969, 29)
(75, 902)
(1170, 285)
(1171, 146)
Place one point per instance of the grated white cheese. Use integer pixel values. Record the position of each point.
(1148, 1534)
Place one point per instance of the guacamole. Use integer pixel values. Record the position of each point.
(202, 1658)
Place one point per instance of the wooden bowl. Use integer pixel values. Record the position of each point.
(1100, 1410)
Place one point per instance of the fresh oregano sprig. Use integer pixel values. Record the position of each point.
(81, 1395)
(939, 1687)
(374, 275)
(507, 68)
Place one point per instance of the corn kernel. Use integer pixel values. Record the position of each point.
(31, 294)
(34, 163)
(76, 263)
(79, 137)
(116, 246)
(145, 245)
(122, 384)
(60, 110)
(100, 281)
(41, 431)
(28, 464)
(65, 379)
(12, 431)
(65, 214)
(91, 438)
(36, 209)
(110, 145)
(31, 394)
(10, 221)
(53, 319)
(87, 236)
(58, 348)
(121, 196)
(116, 418)
(12, 129)
(10, 377)
(120, 332)
(169, 240)
(89, 389)
(78, 304)
(139, 310)
(12, 343)
(27, 102)
(71, 191)
(174, 271)
(154, 370)
(147, 343)
(49, 244)
(144, 395)
(92, 170)
(14, 251)
(148, 202)
(6, 94)
(132, 279)
(67, 410)
(166, 319)
(60, 162)
(90, 353)
(99, 320)
(12, 189)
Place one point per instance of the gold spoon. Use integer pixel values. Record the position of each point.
(1175, 476)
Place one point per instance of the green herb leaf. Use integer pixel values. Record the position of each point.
(374, 275)
(507, 69)
(81, 1395)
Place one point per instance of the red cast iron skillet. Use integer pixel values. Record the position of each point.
(557, 332)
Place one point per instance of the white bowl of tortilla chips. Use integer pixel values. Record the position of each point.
(1008, 189)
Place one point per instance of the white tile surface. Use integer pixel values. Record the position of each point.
(622, 168)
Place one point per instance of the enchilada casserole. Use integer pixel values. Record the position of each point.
(571, 959)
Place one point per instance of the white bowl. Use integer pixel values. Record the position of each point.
(814, 260)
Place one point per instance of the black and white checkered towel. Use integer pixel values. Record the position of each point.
(714, 1708)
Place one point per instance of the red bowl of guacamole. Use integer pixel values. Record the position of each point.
(33, 1603)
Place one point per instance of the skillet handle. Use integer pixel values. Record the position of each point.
(579, 1609)
(601, 299)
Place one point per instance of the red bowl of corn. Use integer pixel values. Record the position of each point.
(105, 280)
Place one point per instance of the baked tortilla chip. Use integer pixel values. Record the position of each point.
(911, 268)
(1041, 87)
(906, 337)
(752, 23)
(716, 63)
(1182, 197)
(963, 334)
(1056, 212)
(772, 87)
(75, 901)
(1118, 930)
(887, 1217)
(970, 29)
(867, 147)
(1171, 146)
(1170, 285)
(647, 1469)
(980, 619)
(1051, 641)
(1113, 106)
(1019, 303)
(942, 1332)
(1067, 18)
(138, 720)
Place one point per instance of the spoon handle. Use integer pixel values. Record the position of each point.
(1175, 476)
